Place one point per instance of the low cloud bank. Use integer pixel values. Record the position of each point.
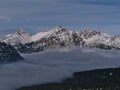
(54, 66)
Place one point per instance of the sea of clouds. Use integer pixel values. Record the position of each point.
(54, 66)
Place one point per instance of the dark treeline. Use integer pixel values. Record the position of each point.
(101, 79)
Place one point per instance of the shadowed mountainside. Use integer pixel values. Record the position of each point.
(102, 79)
(8, 53)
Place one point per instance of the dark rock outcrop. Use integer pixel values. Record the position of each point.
(8, 53)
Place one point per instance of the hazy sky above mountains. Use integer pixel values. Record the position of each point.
(101, 15)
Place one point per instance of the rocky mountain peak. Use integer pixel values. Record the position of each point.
(60, 29)
(89, 33)
(22, 32)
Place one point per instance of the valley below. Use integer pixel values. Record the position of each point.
(55, 66)
(100, 79)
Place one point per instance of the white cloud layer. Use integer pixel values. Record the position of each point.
(54, 66)
(5, 18)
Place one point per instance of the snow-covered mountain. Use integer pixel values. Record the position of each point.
(18, 37)
(8, 53)
(54, 38)
(61, 37)
(57, 31)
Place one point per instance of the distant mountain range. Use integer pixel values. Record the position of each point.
(60, 37)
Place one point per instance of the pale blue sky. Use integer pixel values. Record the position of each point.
(103, 15)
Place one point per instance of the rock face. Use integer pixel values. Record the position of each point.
(60, 37)
(8, 53)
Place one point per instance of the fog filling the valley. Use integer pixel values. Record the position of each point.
(54, 66)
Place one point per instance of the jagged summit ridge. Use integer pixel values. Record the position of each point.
(52, 32)
(54, 38)
(61, 37)
(89, 33)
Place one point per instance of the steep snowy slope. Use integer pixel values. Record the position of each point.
(58, 32)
